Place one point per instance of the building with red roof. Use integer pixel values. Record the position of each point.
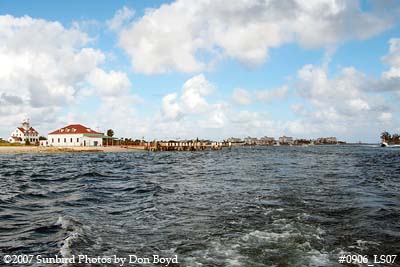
(74, 135)
(24, 134)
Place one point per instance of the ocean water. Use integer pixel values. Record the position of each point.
(259, 206)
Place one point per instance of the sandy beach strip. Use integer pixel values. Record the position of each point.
(36, 149)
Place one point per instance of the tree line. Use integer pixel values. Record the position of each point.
(390, 138)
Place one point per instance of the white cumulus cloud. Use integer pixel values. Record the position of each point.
(121, 17)
(189, 36)
(111, 84)
(47, 69)
(170, 108)
(43, 66)
(344, 104)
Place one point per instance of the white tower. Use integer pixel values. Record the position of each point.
(25, 124)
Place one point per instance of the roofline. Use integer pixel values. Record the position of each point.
(72, 125)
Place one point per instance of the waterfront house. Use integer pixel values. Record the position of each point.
(286, 140)
(250, 140)
(23, 134)
(327, 140)
(234, 140)
(265, 141)
(74, 135)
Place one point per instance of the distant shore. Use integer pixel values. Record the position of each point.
(36, 149)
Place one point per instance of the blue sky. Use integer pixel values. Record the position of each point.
(187, 69)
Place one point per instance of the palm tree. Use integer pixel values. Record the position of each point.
(110, 133)
(385, 136)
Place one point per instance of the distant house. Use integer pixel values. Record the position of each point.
(285, 140)
(327, 140)
(250, 140)
(234, 140)
(74, 135)
(266, 141)
(302, 142)
(24, 134)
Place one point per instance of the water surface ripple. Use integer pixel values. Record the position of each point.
(271, 206)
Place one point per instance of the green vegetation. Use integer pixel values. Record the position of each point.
(110, 132)
(390, 139)
(6, 143)
(10, 144)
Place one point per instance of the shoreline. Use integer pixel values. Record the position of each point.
(37, 149)
(103, 149)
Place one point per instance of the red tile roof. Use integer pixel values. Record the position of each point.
(75, 129)
(29, 131)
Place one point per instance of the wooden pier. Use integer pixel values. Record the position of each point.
(184, 146)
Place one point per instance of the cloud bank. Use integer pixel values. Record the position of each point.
(190, 36)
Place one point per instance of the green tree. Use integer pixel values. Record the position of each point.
(110, 132)
(385, 136)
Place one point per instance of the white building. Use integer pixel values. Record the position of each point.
(266, 141)
(74, 135)
(24, 134)
(250, 140)
(286, 140)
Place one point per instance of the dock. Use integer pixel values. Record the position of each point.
(184, 146)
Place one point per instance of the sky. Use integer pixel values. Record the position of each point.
(208, 69)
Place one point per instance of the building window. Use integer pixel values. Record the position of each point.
(59, 140)
(65, 140)
(52, 140)
(77, 140)
(71, 140)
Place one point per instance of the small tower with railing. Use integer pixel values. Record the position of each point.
(25, 125)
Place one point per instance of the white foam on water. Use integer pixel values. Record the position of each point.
(65, 249)
(73, 235)
(317, 258)
(233, 262)
(268, 211)
(262, 236)
(283, 237)
(63, 222)
(227, 254)
(363, 244)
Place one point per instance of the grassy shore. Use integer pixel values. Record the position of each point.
(36, 149)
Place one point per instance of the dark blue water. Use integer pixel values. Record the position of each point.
(271, 206)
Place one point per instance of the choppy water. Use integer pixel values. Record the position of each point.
(272, 206)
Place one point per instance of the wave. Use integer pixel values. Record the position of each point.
(74, 233)
(92, 174)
